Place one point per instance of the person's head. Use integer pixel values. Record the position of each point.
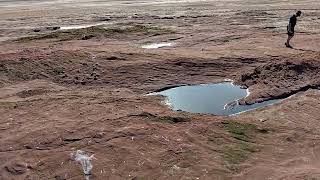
(298, 13)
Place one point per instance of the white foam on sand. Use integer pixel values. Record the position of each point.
(156, 45)
(85, 160)
(248, 92)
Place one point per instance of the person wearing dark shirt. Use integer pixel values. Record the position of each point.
(290, 28)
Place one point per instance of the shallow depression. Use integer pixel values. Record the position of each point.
(218, 99)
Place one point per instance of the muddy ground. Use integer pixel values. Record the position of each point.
(63, 90)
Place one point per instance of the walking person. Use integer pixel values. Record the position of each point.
(290, 28)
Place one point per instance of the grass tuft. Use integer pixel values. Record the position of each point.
(238, 153)
(243, 131)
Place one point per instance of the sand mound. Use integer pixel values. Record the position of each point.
(282, 79)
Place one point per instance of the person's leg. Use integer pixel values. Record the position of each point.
(288, 41)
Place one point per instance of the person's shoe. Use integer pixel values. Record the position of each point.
(288, 45)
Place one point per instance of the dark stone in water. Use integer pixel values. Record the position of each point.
(218, 99)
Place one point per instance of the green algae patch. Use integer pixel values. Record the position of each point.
(238, 153)
(8, 105)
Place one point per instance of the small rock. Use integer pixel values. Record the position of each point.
(112, 58)
(83, 82)
(27, 146)
(270, 27)
(167, 17)
(52, 28)
(16, 168)
(59, 177)
(37, 30)
(103, 19)
(99, 135)
(86, 37)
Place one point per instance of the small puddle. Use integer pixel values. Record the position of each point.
(218, 99)
(156, 45)
(81, 26)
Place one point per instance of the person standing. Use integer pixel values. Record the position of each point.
(290, 28)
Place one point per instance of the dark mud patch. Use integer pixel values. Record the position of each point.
(164, 119)
(32, 92)
(72, 67)
(16, 168)
(96, 31)
(281, 79)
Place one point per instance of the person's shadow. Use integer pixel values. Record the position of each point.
(305, 50)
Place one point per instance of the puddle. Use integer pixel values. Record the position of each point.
(81, 26)
(156, 45)
(218, 99)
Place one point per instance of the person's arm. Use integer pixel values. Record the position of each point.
(290, 26)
